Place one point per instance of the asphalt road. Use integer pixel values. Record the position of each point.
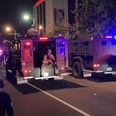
(67, 97)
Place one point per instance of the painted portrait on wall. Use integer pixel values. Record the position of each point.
(59, 17)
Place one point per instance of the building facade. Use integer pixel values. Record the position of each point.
(50, 15)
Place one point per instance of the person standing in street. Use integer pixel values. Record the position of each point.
(5, 101)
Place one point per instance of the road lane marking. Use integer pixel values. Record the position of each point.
(60, 100)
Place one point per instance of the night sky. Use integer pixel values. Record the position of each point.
(11, 11)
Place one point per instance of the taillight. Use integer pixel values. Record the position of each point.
(96, 66)
(61, 68)
(26, 71)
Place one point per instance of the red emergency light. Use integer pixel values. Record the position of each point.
(26, 71)
(43, 37)
(1, 51)
(96, 65)
(27, 45)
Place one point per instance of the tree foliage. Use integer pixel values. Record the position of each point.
(32, 32)
(95, 17)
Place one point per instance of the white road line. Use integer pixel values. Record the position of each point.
(61, 101)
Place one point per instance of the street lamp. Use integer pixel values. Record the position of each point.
(26, 17)
(40, 28)
(10, 30)
(25, 22)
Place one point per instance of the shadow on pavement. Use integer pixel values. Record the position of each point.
(54, 84)
(108, 78)
(26, 89)
(42, 84)
(23, 88)
(46, 85)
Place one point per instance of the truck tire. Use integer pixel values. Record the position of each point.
(77, 70)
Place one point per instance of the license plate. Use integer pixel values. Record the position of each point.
(109, 69)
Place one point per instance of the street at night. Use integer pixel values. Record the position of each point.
(67, 97)
(58, 58)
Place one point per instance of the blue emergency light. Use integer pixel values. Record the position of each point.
(62, 51)
(114, 40)
(110, 37)
(115, 37)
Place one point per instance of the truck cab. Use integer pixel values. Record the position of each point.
(93, 56)
(104, 55)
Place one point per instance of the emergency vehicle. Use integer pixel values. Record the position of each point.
(31, 53)
(93, 56)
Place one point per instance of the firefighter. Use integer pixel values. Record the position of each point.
(17, 62)
(9, 65)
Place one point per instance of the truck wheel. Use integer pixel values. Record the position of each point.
(76, 70)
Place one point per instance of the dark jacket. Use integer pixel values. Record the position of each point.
(5, 104)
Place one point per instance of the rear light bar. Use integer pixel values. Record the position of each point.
(108, 37)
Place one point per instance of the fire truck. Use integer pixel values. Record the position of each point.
(25, 58)
(93, 56)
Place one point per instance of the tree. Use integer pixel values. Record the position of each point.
(95, 17)
(32, 31)
(60, 29)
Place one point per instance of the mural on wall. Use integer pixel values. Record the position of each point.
(59, 17)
